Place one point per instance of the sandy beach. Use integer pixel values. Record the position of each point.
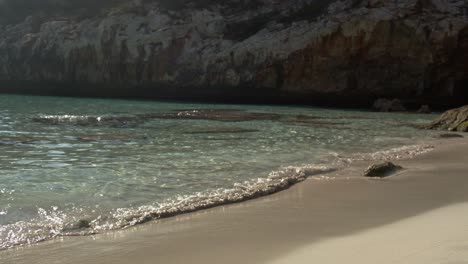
(251, 132)
(419, 215)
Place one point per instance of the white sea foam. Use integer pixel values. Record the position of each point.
(52, 223)
(69, 119)
(67, 174)
(399, 153)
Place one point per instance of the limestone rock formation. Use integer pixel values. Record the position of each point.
(452, 120)
(309, 51)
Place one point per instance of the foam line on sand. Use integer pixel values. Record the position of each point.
(418, 216)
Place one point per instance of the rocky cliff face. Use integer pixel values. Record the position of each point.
(306, 51)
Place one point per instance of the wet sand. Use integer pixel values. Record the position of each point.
(417, 216)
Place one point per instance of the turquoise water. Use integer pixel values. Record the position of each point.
(80, 166)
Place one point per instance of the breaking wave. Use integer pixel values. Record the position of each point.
(54, 222)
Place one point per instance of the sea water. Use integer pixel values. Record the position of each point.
(74, 166)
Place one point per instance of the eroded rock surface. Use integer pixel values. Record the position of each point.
(452, 120)
(382, 170)
(307, 51)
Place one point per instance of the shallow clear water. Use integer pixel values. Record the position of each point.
(109, 162)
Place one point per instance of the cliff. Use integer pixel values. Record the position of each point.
(339, 53)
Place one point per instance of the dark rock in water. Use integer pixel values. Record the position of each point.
(224, 139)
(16, 140)
(452, 120)
(385, 105)
(81, 224)
(207, 109)
(223, 115)
(85, 120)
(67, 119)
(312, 121)
(425, 109)
(449, 136)
(213, 114)
(223, 130)
(382, 170)
(106, 137)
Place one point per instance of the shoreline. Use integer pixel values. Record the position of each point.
(278, 180)
(273, 226)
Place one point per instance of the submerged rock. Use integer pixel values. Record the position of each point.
(425, 109)
(106, 137)
(17, 140)
(223, 130)
(212, 114)
(312, 121)
(452, 120)
(85, 120)
(385, 105)
(449, 136)
(80, 224)
(222, 115)
(224, 139)
(83, 223)
(382, 170)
